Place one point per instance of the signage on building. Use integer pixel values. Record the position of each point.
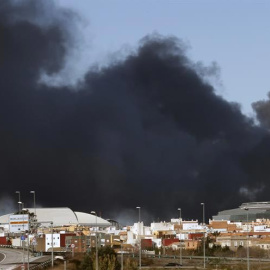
(18, 223)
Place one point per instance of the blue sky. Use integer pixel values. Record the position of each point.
(233, 33)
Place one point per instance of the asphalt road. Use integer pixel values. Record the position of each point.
(10, 259)
(2, 257)
(13, 258)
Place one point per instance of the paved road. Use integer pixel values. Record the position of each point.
(10, 258)
(2, 257)
(13, 258)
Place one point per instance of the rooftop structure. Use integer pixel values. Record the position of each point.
(62, 216)
(246, 212)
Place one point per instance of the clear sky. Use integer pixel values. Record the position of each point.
(233, 33)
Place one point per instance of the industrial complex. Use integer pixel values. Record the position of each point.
(62, 229)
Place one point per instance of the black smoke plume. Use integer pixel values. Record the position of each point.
(147, 130)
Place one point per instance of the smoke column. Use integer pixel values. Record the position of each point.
(147, 130)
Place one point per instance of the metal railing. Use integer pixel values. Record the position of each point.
(41, 265)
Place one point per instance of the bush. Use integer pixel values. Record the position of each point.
(107, 260)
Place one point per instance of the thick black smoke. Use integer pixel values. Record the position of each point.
(146, 131)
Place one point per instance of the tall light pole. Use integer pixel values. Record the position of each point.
(19, 202)
(34, 193)
(139, 238)
(203, 206)
(247, 240)
(22, 205)
(180, 244)
(180, 217)
(122, 255)
(35, 217)
(52, 242)
(94, 213)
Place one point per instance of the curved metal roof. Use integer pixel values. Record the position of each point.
(62, 216)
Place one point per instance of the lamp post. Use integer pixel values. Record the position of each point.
(139, 237)
(122, 255)
(28, 263)
(34, 193)
(180, 244)
(247, 240)
(94, 213)
(180, 218)
(23, 245)
(52, 242)
(35, 214)
(203, 206)
(22, 205)
(19, 202)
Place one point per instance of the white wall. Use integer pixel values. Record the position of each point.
(192, 226)
(137, 228)
(48, 241)
(131, 238)
(157, 242)
(261, 228)
(182, 236)
(162, 226)
(17, 242)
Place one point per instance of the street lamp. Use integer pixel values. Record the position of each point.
(94, 213)
(139, 237)
(22, 205)
(52, 243)
(180, 218)
(203, 206)
(122, 255)
(247, 240)
(180, 244)
(35, 217)
(19, 202)
(34, 193)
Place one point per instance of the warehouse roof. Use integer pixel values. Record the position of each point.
(247, 211)
(62, 216)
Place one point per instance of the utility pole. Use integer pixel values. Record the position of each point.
(94, 213)
(203, 206)
(139, 238)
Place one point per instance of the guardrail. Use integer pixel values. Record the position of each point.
(208, 258)
(41, 265)
(7, 246)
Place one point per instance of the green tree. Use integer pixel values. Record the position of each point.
(87, 262)
(215, 234)
(107, 260)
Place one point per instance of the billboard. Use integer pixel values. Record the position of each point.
(18, 223)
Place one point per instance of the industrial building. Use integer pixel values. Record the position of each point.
(246, 212)
(61, 216)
